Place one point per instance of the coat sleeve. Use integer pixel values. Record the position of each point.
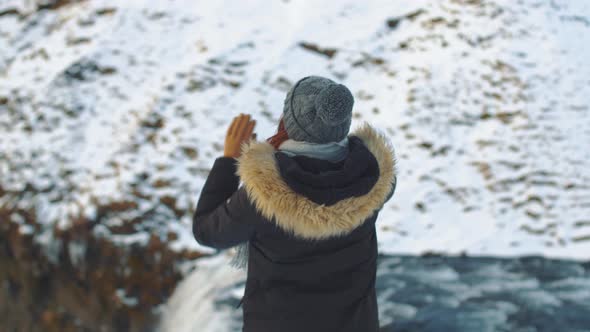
(223, 215)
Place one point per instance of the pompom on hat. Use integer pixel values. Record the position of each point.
(318, 110)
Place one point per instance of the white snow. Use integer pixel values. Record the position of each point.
(192, 306)
(125, 299)
(486, 103)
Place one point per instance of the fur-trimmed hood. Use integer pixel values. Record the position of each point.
(276, 200)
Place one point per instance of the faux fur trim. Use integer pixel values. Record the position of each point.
(274, 199)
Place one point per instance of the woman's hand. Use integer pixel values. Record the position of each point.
(239, 131)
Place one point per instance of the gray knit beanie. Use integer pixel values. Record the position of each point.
(318, 110)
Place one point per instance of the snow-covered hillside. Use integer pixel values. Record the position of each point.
(112, 112)
(126, 103)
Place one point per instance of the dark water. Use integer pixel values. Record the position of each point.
(431, 294)
(445, 294)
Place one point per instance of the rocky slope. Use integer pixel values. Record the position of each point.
(91, 284)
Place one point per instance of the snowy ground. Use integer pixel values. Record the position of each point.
(486, 103)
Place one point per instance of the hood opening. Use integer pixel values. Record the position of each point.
(326, 182)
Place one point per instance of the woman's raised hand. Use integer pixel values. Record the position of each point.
(240, 130)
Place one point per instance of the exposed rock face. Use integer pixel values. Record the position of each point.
(96, 285)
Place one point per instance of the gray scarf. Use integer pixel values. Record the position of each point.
(333, 151)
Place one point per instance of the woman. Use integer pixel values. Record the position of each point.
(307, 210)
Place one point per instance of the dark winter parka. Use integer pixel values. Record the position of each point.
(310, 224)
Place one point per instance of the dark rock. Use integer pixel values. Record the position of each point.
(328, 52)
(90, 283)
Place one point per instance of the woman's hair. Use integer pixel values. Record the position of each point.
(277, 139)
